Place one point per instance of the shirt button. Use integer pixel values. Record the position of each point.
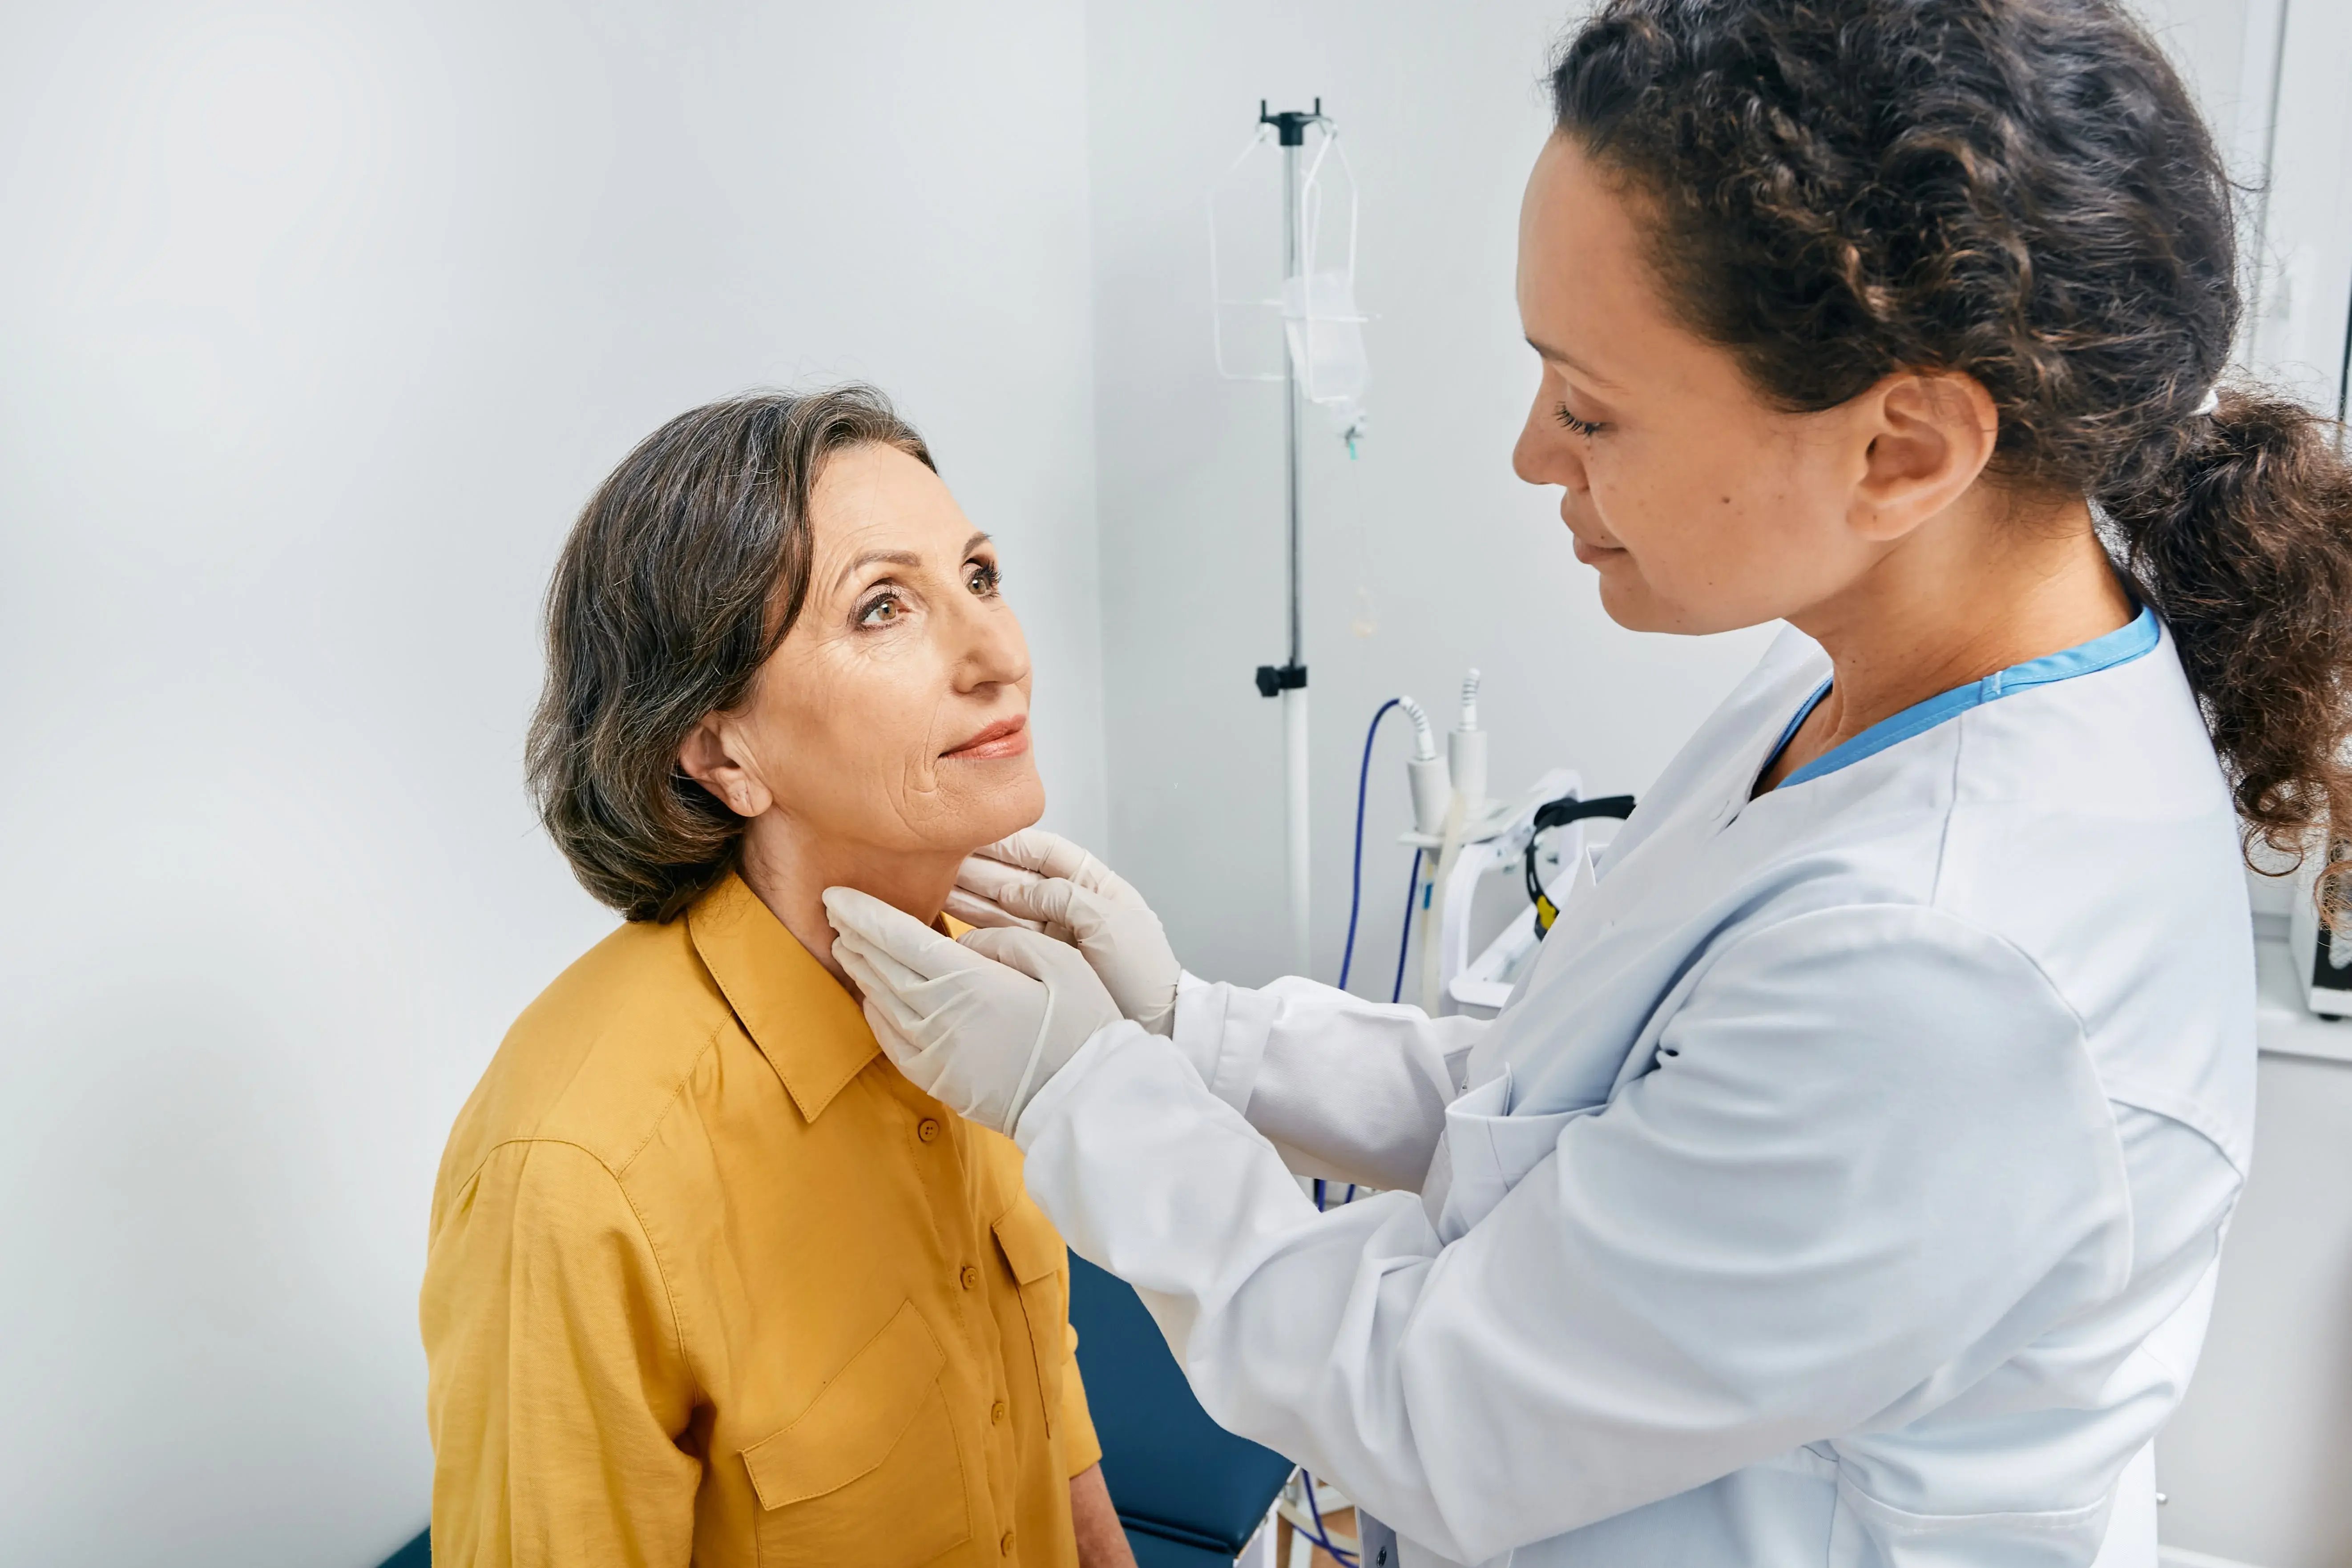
(969, 1277)
(998, 1412)
(926, 1128)
(1005, 1545)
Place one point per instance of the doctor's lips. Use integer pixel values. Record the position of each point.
(1592, 552)
(1005, 738)
(1588, 551)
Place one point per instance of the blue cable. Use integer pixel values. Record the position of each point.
(1356, 870)
(1404, 938)
(1322, 1536)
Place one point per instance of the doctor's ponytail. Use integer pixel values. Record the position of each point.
(2022, 191)
(2233, 525)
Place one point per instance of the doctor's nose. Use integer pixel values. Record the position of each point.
(1545, 453)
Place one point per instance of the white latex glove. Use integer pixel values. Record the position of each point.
(1041, 881)
(980, 1024)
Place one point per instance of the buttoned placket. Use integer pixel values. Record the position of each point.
(819, 1050)
(964, 1235)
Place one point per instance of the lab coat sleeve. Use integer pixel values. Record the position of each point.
(1870, 1161)
(1345, 1088)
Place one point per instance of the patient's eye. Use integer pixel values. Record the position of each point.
(982, 578)
(884, 609)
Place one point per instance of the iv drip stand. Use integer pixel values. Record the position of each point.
(1290, 681)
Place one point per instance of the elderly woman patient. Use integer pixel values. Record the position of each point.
(708, 1280)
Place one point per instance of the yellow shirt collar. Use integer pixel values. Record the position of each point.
(810, 1030)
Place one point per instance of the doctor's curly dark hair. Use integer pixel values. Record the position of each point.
(2024, 191)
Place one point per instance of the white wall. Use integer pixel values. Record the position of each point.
(2254, 1465)
(317, 323)
(1427, 535)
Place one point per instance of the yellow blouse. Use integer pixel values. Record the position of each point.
(709, 1281)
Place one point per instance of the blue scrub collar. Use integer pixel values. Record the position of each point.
(2118, 646)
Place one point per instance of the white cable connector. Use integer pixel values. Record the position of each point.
(1432, 782)
(1424, 738)
(1467, 752)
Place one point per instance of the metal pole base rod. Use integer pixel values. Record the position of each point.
(1293, 822)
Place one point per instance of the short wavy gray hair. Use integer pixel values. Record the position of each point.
(680, 578)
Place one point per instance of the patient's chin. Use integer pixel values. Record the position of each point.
(986, 815)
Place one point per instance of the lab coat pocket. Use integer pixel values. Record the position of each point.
(1868, 1533)
(1484, 1153)
(869, 1472)
(1040, 1263)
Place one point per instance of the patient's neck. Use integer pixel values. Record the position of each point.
(790, 868)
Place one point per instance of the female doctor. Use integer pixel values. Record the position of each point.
(1845, 1184)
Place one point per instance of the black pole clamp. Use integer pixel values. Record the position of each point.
(1274, 679)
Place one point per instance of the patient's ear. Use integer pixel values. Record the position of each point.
(716, 757)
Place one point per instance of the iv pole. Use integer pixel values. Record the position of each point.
(1288, 681)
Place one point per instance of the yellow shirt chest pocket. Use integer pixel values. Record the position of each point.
(868, 1473)
(1033, 1249)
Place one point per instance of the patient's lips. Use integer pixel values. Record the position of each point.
(1005, 738)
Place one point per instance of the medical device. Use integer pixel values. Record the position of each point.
(2324, 957)
(1560, 813)
(1321, 347)
(1465, 811)
(1462, 837)
(1425, 753)
(1465, 748)
(1431, 779)
(1492, 843)
(1511, 840)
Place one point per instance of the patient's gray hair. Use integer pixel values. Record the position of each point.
(679, 579)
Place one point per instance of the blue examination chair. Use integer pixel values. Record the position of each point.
(1190, 1493)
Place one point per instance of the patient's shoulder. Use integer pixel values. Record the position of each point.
(601, 1055)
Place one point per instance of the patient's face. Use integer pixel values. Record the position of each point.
(895, 715)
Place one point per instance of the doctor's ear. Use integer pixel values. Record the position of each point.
(1929, 437)
(715, 757)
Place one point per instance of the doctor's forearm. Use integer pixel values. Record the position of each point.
(1148, 1176)
(1345, 1088)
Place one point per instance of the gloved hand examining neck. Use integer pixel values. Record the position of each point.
(1042, 882)
(979, 1025)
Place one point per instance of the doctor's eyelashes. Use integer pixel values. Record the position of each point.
(1569, 421)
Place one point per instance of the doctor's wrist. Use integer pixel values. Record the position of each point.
(1220, 1030)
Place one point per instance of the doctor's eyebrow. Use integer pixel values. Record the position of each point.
(1560, 356)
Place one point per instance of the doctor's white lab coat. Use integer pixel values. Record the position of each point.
(1845, 1186)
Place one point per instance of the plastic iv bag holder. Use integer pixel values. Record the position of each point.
(1306, 316)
